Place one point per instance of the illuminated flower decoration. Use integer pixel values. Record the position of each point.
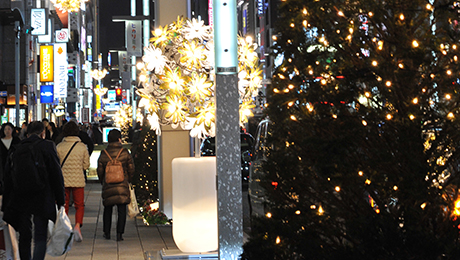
(192, 54)
(154, 122)
(247, 56)
(246, 111)
(181, 93)
(255, 81)
(154, 59)
(176, 109)
(199, 87)
(208, 62)
(196, 30)
(161, 36)
(68, 5)
(178, 24)
(205, 120)
(174, 81)
(206, 115)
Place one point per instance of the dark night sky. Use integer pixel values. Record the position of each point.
(112, 35)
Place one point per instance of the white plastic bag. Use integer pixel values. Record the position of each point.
(133, 208)
(61, 236)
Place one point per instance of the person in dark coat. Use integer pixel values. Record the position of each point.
(18, 208)
(8, 140)
(115, 193)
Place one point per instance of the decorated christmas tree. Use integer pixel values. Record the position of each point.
(145, 156)
(364, 158)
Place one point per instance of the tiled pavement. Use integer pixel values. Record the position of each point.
(140, 241)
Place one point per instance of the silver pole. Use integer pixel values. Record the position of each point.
(228, 148)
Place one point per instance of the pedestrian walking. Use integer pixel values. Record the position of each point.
(23, 133)
(115, 193)
(8, 140)
(32, 200)
(74, 158)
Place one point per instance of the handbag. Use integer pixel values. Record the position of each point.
(62, 235)
(133, 207)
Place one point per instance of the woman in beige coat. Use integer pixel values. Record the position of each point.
(76, 157)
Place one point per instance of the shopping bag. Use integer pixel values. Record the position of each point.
(62, 236)
(133, 208)
(11, 249)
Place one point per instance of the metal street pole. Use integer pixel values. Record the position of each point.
(17, 67)
(228, 148)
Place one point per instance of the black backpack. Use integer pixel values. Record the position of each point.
(27, 168)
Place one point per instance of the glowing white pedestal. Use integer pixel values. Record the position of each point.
(194, 204)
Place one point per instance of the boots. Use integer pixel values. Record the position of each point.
(106, 235)
(120, 237)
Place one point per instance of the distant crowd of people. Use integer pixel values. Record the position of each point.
(64, 157)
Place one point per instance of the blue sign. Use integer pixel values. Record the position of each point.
(46, 94)
(111, 95)
(3, 93)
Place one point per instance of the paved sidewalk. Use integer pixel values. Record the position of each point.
(140, 242)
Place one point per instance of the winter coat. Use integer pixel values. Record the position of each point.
(4, 151)
(76, 163)
(43, 203)
(115, 193)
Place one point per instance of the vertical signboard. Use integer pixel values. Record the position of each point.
(60, 68)
(245, 19)
(210, 13)
(122, 62)
(134, 38)
(46, 63)
(47, 37)
(85, 115)
(38, 21)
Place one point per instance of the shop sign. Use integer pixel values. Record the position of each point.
(133, 38)
(60, 64)
(85, 115)
(46, 63)
(62, 35)
(46, 94)
(38, 21)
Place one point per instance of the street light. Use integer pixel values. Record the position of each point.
(98, 74)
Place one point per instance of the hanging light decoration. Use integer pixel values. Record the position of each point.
(98, 74)
(100, 91)
(68, 5)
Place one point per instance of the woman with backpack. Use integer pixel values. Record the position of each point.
(115, 162)
(74, 158)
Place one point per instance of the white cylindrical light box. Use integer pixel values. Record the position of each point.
(194, 204)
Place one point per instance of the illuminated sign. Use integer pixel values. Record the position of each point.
(46, 63)
(62, 35)
(133, 38)
(38, 21)
(111, 95)
(60, 70)
(46, 94)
